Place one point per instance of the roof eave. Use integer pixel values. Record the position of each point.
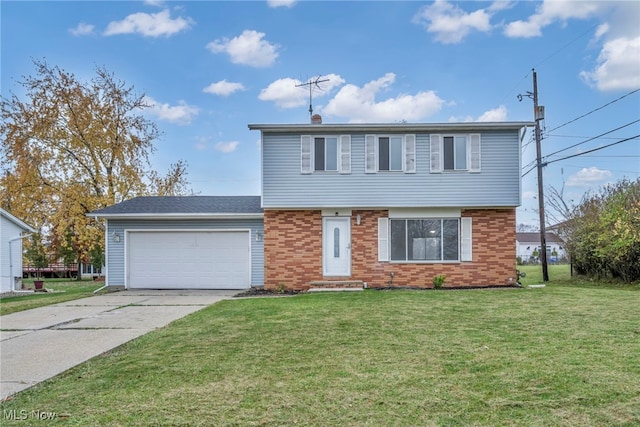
(177, 215)
(391, 127)
(17, 221)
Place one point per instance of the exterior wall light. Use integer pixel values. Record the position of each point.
(116, 237)
(258, 236)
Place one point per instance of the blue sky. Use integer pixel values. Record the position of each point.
(211, 68)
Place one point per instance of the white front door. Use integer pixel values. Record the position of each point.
(336, 250)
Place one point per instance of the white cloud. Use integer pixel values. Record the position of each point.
(496, 115)
(529, 195)
(602, 30)
(450, 23)
(618, 66)
(286, 92)
(149, 24)
(180, 114)
(587, 177)
(248, 48)
(223, 88)
(550, 12)
(281, 3)
(358, 104)
(82, 29)
(227, 147)
(157, 3)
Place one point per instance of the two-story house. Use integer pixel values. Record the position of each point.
(342, 205)
(390, 204)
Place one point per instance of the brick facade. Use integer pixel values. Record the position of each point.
(293, 252)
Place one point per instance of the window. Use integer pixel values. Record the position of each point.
(325, 153)
(395, 153)
(455, 153)
(390, 153)
(424, 240)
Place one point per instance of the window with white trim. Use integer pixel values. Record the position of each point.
(455, 153)
(325, 154)
(424, 240)
(394, 153)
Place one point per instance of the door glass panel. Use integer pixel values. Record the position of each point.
(336, 242)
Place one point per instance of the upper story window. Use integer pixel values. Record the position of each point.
(325, 154)
(455, 153)
(390, 153)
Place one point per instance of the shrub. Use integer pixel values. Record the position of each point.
(438, 281)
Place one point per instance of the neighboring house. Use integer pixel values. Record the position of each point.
(390, 204)
(195, 242)
(11, 234)
(527, 243)
(343, 205)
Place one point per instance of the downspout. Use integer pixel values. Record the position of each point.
(106, 237)
(12, 277)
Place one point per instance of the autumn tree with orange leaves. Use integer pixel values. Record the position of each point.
(72, 147)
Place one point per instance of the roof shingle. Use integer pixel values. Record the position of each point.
(184, 205)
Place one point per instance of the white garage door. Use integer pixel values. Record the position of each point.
(189, 259)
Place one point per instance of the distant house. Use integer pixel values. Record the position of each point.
(528, 243)
(12, 232)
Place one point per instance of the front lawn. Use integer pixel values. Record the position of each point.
(61, 291)
(559, 355)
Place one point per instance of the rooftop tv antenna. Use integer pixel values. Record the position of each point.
(312, 83)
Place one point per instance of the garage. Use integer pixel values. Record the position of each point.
(189, 259)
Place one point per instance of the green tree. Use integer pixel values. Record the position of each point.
(36, 253)
(75, 146)
(602, 233)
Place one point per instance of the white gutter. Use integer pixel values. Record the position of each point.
(177, 216)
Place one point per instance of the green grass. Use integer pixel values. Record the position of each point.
(62, 291)
(564, 355)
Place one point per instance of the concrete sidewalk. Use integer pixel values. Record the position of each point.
(40, 343)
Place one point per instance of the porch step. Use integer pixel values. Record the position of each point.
(335, 290)
(336, 285)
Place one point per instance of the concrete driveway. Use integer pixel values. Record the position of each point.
(40, 343)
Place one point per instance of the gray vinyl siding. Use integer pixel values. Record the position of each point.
(497, 185)
(116, 251)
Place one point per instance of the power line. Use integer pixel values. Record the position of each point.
(595, 137)
(595, 149)
(527, 172)
(549, 57)
(594, 110)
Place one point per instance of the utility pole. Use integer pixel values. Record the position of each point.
(539, 115)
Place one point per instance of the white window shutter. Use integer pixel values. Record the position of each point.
(370, 154)
(410, 154)
(305, 154)
(466, 240)
(383, 239)
(345, 153)
(474, 152)
(435, 147)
